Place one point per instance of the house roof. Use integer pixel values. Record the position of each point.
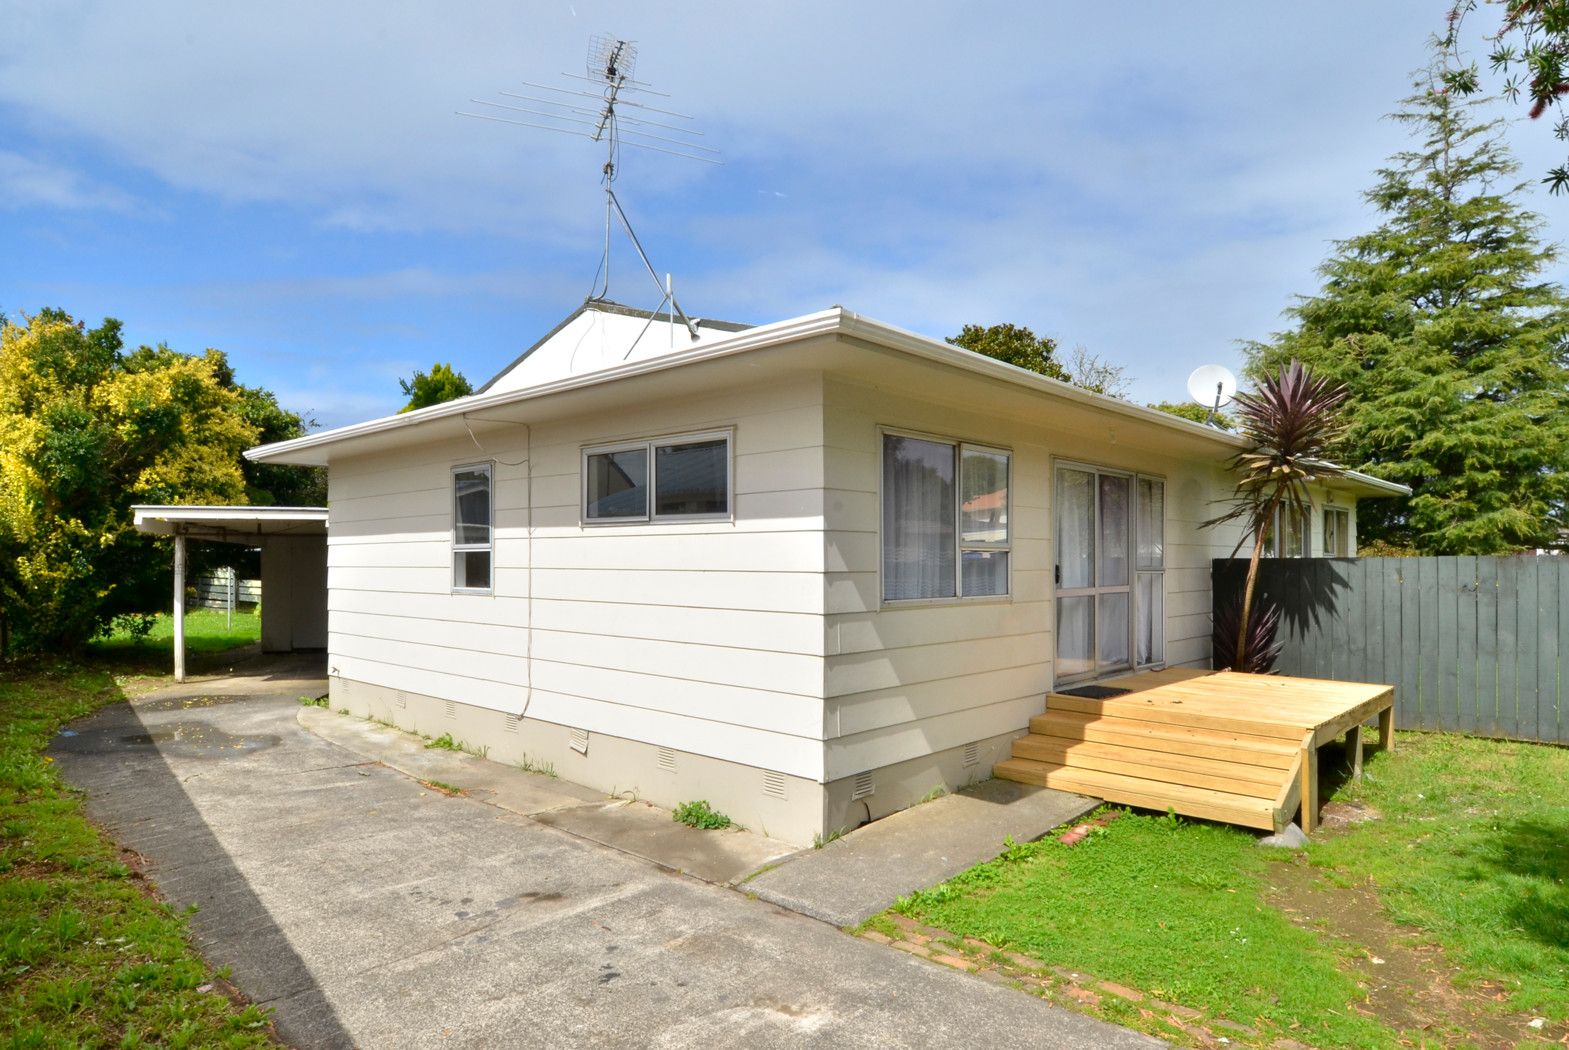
(230, 524)
(456, 417)
(609, 330)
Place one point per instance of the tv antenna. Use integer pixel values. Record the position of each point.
(594, 112)
(1212, 386)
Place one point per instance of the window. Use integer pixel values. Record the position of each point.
(668, 478)
(1296, 533)
(1337, 533)
(471, 528)
(1111, 560)
(945, 519)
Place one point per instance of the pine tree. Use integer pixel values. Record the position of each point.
(1454, 347)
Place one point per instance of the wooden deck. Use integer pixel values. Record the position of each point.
(1237, 748)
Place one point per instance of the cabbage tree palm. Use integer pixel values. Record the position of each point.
(1289, 422)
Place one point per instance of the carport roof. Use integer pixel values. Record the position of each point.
(231, 524)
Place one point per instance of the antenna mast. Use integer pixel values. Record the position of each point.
(611, 62)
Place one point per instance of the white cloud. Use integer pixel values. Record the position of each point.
(28, 182)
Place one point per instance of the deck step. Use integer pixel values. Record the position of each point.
(1167, 767)
(1171, 714)
(1157, 736)
(1190, 801)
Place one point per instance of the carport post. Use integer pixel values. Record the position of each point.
(179, 607)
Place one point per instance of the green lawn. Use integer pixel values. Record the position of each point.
(1473, 849)
(205, 632)
(87, 956)
(1471, 855)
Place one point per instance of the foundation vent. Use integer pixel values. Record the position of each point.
(513, 721)
(972, 754)
(774, 784)
(577, 740)
(450, 708)
(667, 759)
(400, 700)
(863, 786)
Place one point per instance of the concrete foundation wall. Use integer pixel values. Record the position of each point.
(903, 784)
(781, 806)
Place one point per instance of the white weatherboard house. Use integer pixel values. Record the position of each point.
(807, 571)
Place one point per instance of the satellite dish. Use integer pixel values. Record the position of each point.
(1212, 386)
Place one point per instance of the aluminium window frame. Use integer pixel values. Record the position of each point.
(959, 445)
(650, 446)
(1135, 607)
(489, 547)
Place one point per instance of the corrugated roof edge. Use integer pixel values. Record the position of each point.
(835, 320)
(606, 306)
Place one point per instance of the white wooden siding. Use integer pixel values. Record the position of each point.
(905, 680)
(704, 636)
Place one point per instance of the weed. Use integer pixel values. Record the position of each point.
(444, 742)
(937, 792)
(528, 765)
(444, 788)
(314, 701)
(820, 840)
(699, 814)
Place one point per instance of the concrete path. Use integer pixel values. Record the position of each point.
(855, 877)
(370, 911)
(643, 830)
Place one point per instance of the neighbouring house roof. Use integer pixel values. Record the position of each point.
(600, 334)
(230, 524)
(855, 332)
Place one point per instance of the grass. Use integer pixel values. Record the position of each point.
(444, 788)
(87, 957)
(205, 632)
(1473, 849)
(444, 742)
(1471, 854)
(1167, 906)
(699, 814)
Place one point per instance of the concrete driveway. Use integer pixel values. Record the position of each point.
(369, 911)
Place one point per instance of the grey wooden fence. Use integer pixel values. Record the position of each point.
(1471, 644)
(212, 592)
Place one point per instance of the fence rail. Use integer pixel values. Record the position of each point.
(1471, 644)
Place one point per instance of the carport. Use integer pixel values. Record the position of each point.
(293, 543)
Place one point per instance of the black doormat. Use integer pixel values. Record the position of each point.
(1095, 692)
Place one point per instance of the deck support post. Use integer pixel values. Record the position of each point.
(1309, 776)
(1354, 750)
(1386, 728)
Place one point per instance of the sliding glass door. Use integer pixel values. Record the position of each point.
(1110, 562)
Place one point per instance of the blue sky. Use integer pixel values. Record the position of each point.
(289, 182)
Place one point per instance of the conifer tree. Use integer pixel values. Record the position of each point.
(1451, 341)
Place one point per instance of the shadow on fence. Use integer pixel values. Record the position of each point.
(1471, 644)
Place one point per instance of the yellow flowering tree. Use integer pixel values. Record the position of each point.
(85, 433)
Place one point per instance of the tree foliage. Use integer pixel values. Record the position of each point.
(87, 431)
(1019, 346)
(440, 384)
(1452, 345)
(1529, 49)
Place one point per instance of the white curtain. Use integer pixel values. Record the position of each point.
(918, 518)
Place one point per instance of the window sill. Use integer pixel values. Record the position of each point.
(927, 603)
